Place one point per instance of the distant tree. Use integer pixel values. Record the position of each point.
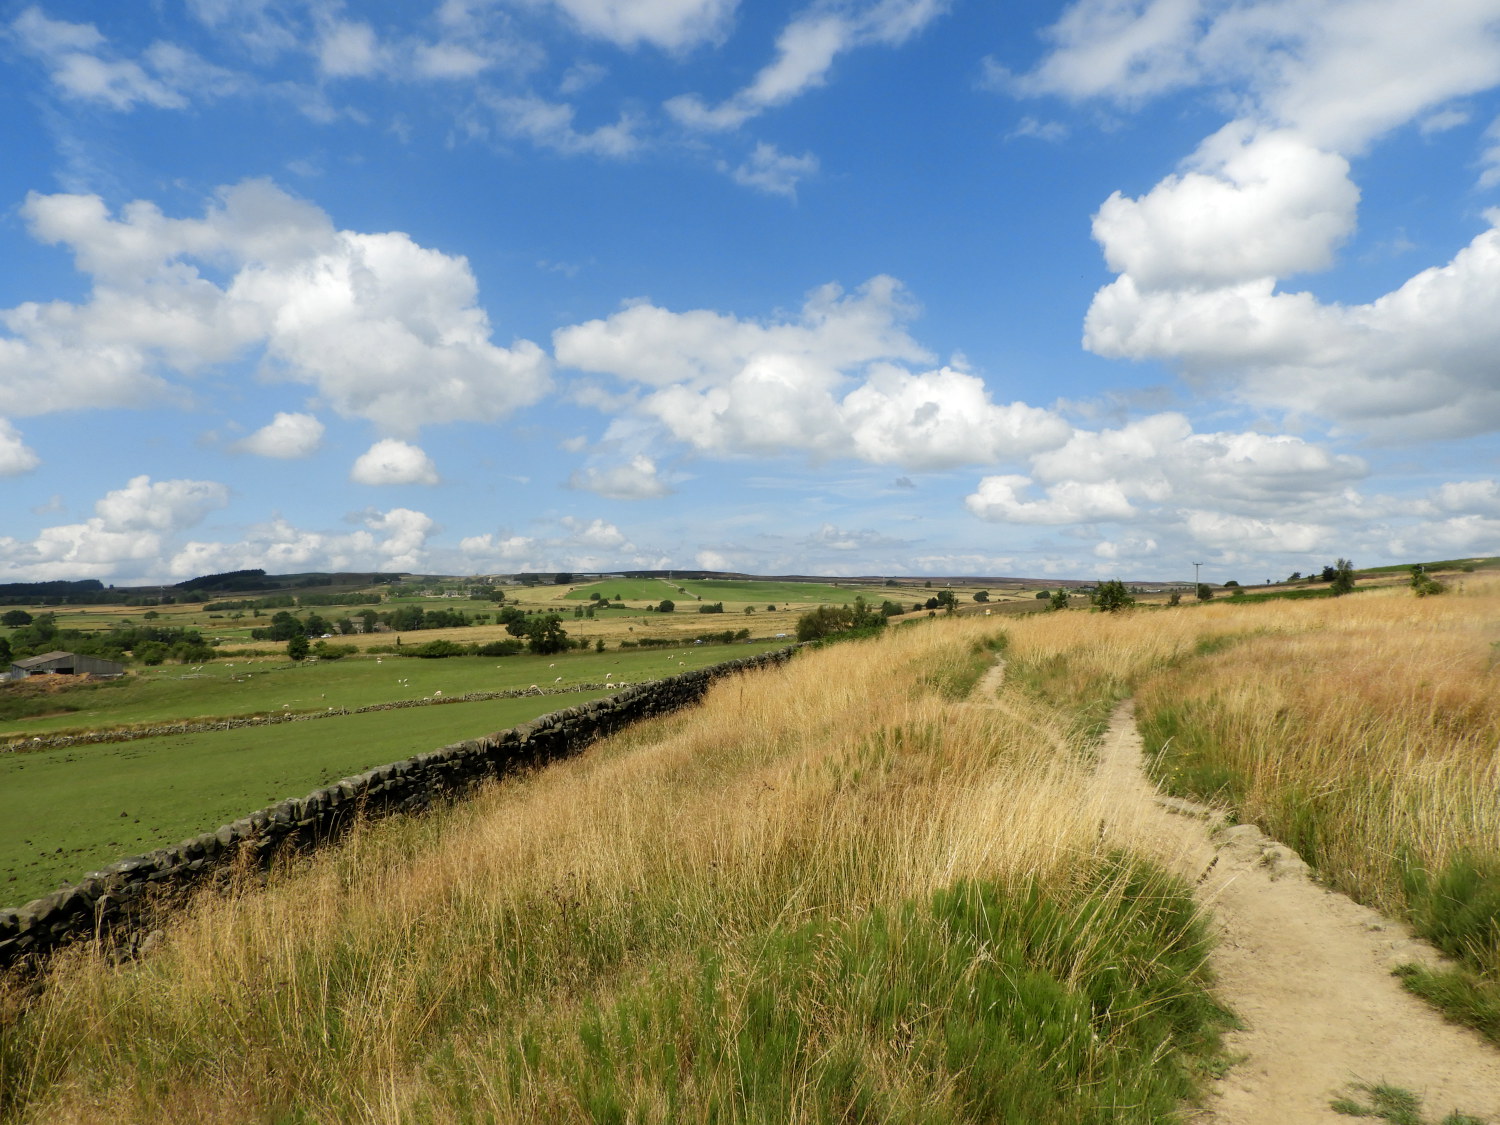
(890, 609)
(1296, 574)
(1111, 596)
(1058, 600)
(562, 578)
(981, 595)
(151, 652)
(948, 600)
(1205, 592)
(15, 619)
(1231, 582)
(1329, 574)
(297, 647)
(150, 615)
(666, 605)
(770, 609)
(749, 609)
(1043, 595)
(892, 582)
(930, 603)
(546, 635)
(928, 584)
(1343, 577)
(1175, 598)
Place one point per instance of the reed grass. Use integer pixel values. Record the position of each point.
(832, 893)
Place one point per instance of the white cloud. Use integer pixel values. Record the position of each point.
(84, 66)
(1269, 196)
(772, 171)
(348, 49)
(287, 436)
(16, 457)
(550, 125)
(1251, 205)
(385, 329)
(670, 24)
(1475, 497)
(1415, 363)
(805, 51)
(1004, 499)
(823, 383)
(636, 479)
(393, 462)
(1338, 72)
(1252, 536)
(131, 526)
(576, 545)
(395, 540)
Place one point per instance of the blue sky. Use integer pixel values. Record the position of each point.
(863, 287)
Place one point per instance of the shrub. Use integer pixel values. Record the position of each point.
(1112, 596)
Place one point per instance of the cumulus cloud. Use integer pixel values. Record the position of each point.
(1414, 363)
(1238, 494)
(824, 383)
(635, 479)
(393, 462)
(394, 540)
(16, 457)
(1201, 255)
(130, 527)
(575, 544)
(1252, 205)
(286, 437)
(384, 329)
(805, 52)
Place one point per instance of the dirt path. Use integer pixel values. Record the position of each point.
(1306, 969)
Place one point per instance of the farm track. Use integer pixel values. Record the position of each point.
(1306, 969)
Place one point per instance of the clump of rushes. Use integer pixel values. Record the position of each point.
(829, 894)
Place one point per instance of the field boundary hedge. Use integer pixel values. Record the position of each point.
(118, 903)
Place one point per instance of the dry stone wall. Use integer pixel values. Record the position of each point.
(118, 903)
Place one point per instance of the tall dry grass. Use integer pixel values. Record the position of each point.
(1368, 739)
(833, 892)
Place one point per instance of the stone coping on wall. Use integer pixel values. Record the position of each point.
(118, 902)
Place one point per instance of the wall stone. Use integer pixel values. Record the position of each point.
(119, 903)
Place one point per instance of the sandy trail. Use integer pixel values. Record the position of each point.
(1306, 969)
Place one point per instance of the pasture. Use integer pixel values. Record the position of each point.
(67, 811)
(260, 685)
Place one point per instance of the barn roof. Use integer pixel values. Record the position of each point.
(45, 658)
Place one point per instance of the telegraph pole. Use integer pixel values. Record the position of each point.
(1196, 583)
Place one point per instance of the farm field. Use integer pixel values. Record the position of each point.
(67, 811)
(259, 685)
(857, 880)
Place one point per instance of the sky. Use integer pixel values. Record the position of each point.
(841, 287)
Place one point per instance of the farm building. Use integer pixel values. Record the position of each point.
(65, 664)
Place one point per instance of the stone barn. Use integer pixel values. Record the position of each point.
(65, 664)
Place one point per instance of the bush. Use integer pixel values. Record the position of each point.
(666, 605)
(1112, 596)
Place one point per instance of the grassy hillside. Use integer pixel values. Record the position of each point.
(836, 892)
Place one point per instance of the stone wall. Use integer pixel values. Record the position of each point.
(118, 903)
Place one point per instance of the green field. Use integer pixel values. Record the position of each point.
(738, 591)
(264, 684)
(627, 589)
(68, 811)
(61, 809)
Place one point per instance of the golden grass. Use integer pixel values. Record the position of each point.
(408, 974)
